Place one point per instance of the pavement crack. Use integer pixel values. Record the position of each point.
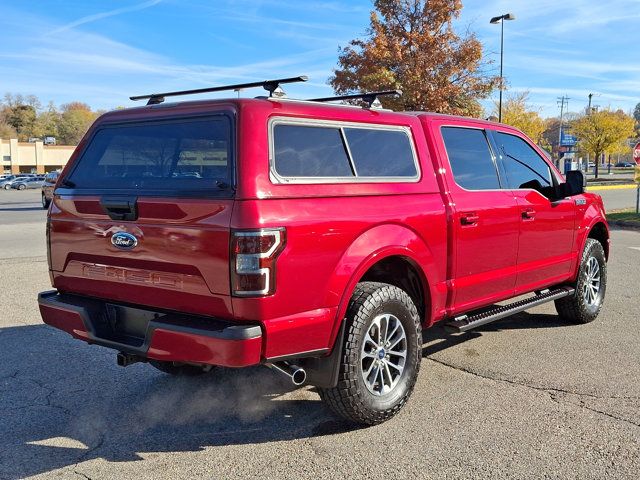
(85, 454)
(552, 392)
(81, 474)
(11, 375)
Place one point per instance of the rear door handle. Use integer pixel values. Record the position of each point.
(469, 219)
(528, 214)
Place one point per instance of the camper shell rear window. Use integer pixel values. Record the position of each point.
(186, 156)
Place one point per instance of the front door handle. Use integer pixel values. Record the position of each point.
(469, 219)
(528, 214)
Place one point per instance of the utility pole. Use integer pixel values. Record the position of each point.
(586, 170)
(562, 101)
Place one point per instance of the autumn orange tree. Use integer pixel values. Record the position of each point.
(411, 45)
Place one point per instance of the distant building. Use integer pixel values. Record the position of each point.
(36, 157)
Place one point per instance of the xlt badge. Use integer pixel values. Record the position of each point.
(124, 240)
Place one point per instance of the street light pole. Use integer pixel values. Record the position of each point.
(500, 19)
(501, 77)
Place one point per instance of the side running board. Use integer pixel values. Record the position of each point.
(464, 322)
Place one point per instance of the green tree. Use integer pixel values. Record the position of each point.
(636, 116)
(47, 122)
(7, 131)
(411, 45)
(602, 132)
(75, 119)
(20, 113)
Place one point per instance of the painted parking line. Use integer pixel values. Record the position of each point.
(595, 188)
(635, 248)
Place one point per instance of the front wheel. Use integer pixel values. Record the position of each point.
(381, 355)
(7, 187)
(584, 306)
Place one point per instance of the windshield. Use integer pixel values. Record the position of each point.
(176, 155)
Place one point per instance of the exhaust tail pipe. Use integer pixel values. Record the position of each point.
(296, 374)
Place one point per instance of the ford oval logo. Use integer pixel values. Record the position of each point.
(124, 240)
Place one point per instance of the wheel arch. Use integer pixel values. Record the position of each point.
(600, 232)
(593, 225)
(379, 254)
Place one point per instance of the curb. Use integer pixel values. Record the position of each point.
(625, 225)
(627, 186)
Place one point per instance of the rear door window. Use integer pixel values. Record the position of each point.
(182, 155)
(471, 160)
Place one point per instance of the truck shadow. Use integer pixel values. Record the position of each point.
(64, 402)
(436, 338)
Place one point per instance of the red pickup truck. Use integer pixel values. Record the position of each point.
(315, 238)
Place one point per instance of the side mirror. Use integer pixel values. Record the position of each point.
(575, 184)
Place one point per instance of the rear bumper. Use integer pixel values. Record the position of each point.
(153, 335)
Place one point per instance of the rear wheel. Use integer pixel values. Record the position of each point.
(585, 305)
(21, 187)
(45, 202)
(381, 355)
(183, 369)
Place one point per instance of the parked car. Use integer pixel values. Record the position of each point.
(625, 165)
(318, 239)
(27, 183)
(49, 184)
(6, 182)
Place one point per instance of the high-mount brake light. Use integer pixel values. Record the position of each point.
(253, 261)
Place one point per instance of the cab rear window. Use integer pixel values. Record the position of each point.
(175, 155)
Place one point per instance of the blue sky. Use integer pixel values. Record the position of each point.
(103, 52)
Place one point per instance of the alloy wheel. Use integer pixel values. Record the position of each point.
(591, 286)
(383, 354)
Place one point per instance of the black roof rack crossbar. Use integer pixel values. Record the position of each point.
(370, 97)
(272, 86)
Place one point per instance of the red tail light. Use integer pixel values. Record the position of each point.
(253, 261)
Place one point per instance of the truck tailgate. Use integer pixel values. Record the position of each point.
(180, 261)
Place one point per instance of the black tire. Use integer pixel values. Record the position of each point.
(352, 398)
(581, 307)
(45, 202)
(7, 187)
(21, 187)
(181, 369)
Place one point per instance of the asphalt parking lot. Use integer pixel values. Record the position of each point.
(526, 397)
